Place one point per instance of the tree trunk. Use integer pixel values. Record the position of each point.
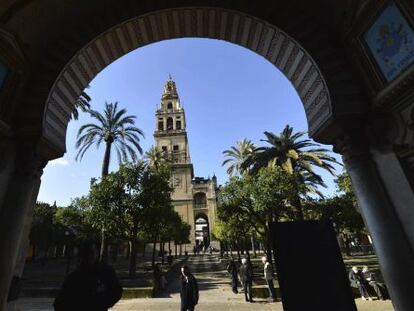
(115, 252)
(143, 251)
(298, 205)
(162, 247)
(102, 251)
(105, 169)
(153, 253)
(133, 258)
(269, 248)
(181, 249)
(253, 247)
(128, 251)
(246, 246)
(175, 249)
(106, 159)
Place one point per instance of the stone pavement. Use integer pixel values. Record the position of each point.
(214, 295)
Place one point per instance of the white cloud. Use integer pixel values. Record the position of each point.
(60, 161)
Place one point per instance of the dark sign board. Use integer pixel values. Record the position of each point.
(310, 269)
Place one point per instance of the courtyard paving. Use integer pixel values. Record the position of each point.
(214, 295)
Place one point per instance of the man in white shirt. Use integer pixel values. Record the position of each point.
(268, 275)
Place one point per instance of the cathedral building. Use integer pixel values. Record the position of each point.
(194, 198)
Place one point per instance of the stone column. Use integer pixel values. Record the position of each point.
(17, 202)
(398, 188)
(7, 157)
(389, 239)
(23, 245)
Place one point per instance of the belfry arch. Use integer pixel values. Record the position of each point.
(52, 56)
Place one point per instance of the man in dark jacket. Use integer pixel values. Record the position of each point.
(91, 287)
(189, 290)
(246, 276)
(232, 269)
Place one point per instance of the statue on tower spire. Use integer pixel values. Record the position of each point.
(170, 89)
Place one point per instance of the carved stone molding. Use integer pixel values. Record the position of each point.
(352, 148)
(255, 34)
(28, 163)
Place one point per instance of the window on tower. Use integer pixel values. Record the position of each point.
(170, 123)
(160, 125)
(178, 125)
(175, 148)
(164, 148)
(169, 105)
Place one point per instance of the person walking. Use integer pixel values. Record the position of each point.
(246, 276)
(370, 278)
(157, 274)
(189, 290)
(268, 276)
(232, 269)
(357, 281)
(91, 287)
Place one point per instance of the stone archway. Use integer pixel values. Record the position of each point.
(268, 41)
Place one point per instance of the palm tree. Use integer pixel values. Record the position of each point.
(114, 128)
(82, 103)
(237, 155)
(156, 157)
(296, 156)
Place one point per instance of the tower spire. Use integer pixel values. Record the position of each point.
(170, 89)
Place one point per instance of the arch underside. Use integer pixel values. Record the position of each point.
(201, 215)
(235, 27)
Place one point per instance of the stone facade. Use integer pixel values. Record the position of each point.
(193, 197)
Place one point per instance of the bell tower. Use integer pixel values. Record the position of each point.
(171, 138)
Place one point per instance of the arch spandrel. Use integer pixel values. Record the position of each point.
(235, 27)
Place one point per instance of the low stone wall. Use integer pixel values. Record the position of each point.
(128, 292)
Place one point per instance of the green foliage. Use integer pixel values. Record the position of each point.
(237, 155)
(113, 127)
(290, 152)
(106, 201)
(82, 103)
(248, 203)
(43, 227)
(343, 183)
(75, 220)
(341, 209)
(156, 200)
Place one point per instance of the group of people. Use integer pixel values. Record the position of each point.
(364, 280)
(244, 271)
(94, 286)
(201, 248)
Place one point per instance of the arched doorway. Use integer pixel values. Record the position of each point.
(307, 41)
(202, 231)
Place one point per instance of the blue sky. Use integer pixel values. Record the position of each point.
(227, 91)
